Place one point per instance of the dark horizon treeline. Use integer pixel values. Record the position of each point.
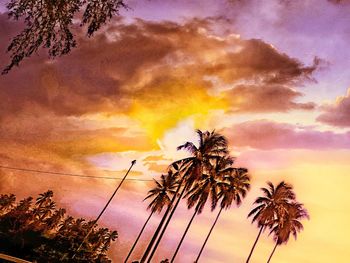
(207, 176)
(37, 231)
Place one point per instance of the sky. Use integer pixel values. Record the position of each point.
(272, 76)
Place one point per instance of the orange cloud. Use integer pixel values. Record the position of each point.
(130, 65)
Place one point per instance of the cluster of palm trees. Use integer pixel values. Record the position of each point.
(278, 211)
(208, 175)
(38, 231)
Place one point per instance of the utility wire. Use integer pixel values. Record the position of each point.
(70, 174)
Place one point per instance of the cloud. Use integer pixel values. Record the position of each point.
(153, 74)
(148, 63)
(267, 135)
(337, 114)
(267, 98)
(69, 137)
(262, 63)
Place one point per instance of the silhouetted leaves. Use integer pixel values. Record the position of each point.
(38, 231)
(49, 23)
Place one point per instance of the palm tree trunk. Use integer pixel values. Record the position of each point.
(256, 241)
(273, 251)
(155, 235)
(211, 229)
(183, 236)
(138, 237)
(166, 225)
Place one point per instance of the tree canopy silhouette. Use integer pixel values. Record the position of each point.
(41, 232)
(49, 23)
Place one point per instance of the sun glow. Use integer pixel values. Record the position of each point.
(160, 112)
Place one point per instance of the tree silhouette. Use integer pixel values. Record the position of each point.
(161, 196)
(6, 202)
(211, 145)
(270, 206)
(207, 187)
(53, 222)
(45, 233)
(176, 169)
(235, 188)
(48, 24)
(41, 233)
(288, 224)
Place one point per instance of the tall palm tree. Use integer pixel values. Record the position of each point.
(270, 206)
(177, 169)
(289, 224)
(211, 145)
(235, 188)
(207, 187)
(161, 194)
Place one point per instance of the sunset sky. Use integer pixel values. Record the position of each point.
(272, 76)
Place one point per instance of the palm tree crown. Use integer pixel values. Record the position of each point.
(290, 223)
(7, 202)
(163, 191)
(211, 145)
(236, 187)
(209, 184)
(273, 204)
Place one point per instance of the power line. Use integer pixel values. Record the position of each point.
(70, 174)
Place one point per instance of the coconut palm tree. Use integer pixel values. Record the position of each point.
(47, 210)
(161, 195)
(42, 200)
(177, 169)
(24, 205)
(97, 240)
(21, 212)
(234, 189)
(207, 187)
(289, 224)
(66, 225)
(44, 197)
(53, 221)
(270, 206)
(211, 145)
(109, 238)
(6, 203)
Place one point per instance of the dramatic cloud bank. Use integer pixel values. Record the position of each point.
(149, 63)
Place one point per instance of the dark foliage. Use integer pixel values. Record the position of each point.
(48, 24)
(39, 232)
